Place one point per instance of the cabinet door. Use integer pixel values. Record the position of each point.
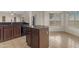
(7, 33)
(17, 31)
(28, 39)
(35, 38)
(44, 38)
(1, 34)
(11, 32)
(28, 36)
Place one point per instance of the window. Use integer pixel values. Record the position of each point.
(74, 19)
(55, 19)
(51, 15)
(71, 19)
(3, 18)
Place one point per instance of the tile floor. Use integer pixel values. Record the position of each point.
(15, 43)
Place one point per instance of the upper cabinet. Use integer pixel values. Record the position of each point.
(9, 18)
(3, 18)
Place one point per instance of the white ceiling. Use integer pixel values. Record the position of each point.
(55, 11)
(27, 12)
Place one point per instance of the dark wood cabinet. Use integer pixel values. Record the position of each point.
(28, 36)
(8, 32)
(38, 38)
(11, 32)
(28, 39)
(35, 38)
(17, 31)
(1, 33)
(44, 38)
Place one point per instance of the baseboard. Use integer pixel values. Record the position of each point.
(72, 30)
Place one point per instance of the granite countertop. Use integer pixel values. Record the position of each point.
(38, 27)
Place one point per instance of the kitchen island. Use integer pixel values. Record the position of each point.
(38, 37)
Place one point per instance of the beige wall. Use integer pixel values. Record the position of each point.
(39, 17)
(9, 17)
(26, 18)
(73, 30)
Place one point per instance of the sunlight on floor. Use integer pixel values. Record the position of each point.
(63, 40)
(15, 43)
